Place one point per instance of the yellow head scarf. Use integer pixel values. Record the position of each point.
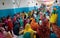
(28, 28)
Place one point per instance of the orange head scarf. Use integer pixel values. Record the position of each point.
(34, 25)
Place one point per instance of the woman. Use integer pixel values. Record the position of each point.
(43, 31)
(4, 34)
(10, 24)
(21, 22)
(14, 19)
(41, 15)
(48, 13)
(25, 21)
(27, 32)
(16, 27)
(34, 25)
(56, 30)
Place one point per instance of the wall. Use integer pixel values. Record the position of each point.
(7, 4)
(11, 7)
(7, 8)
(27, 5)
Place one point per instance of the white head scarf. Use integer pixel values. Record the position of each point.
(40, 22)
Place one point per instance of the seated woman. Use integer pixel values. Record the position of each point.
(27, 32)
(10, 24)
(34, 24)
(1, 31)
(21, 21)
(4, 34)
(43, 31)
(25, 21)
(16, 27)
(56, 30)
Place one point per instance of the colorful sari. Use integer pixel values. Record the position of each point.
(10, 25)
(34, 25)
(28, 32)
(21, 22)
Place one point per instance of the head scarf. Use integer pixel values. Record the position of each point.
(28, 32)
(40, 22)
(34, 25)
(28, 28)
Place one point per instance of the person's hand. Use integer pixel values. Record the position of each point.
(35, 32)
(21, 32)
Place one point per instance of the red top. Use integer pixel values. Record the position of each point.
(10, 24)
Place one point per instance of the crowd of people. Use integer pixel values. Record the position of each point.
(34, 24)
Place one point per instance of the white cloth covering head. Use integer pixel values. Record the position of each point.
(35, 12)
(40, 22)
